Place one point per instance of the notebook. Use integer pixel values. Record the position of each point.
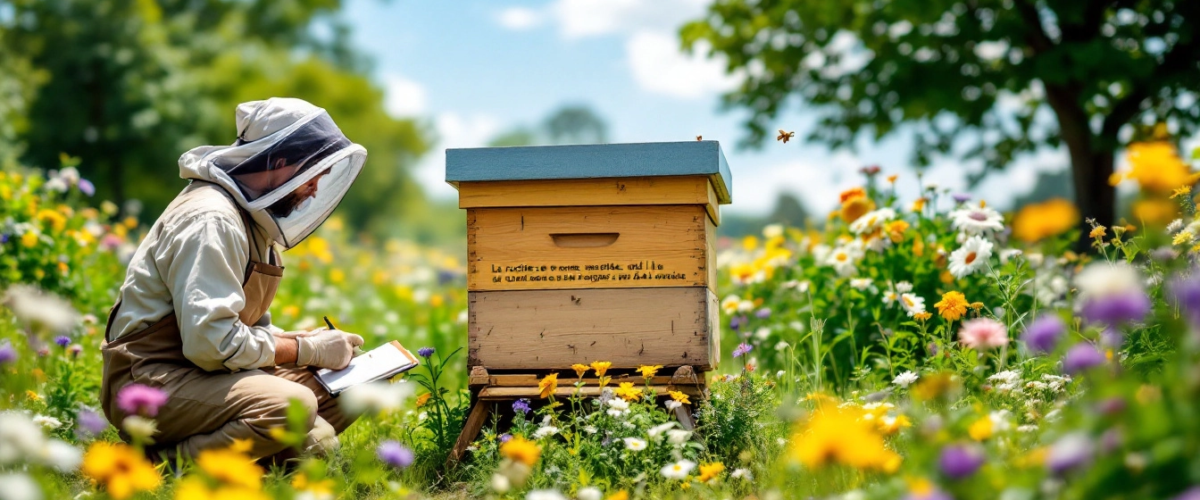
(380, 363)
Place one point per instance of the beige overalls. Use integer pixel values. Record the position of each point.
(207, 410)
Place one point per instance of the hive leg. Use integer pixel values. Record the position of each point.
(470, 431)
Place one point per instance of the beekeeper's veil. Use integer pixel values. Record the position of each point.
(290, 166)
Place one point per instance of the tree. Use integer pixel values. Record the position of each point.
(571, 124)
(968, 69)
(129, 85)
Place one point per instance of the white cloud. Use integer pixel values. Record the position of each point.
(520, 18)
(403, 97)
(583, 18)
(658, 66)
(454, 130)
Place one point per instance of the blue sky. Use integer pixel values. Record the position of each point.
(474, 69)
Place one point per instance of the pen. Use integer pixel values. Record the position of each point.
(329, 323)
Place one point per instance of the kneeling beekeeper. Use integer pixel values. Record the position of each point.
(192, 319)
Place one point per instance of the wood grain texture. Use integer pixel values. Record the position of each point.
(592, 161)
(565, 391)
(673, 190)
(655, 246)
(553, 329)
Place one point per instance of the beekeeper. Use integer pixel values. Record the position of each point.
(191, 317)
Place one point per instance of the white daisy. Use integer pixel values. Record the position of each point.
(678, 437)
(912, 304)
(544, 432)
(1174, 226)
(872, 220)
(844, 257)
(975, 220)
(890, 297)
(635, 444)
(672, 404)
(742, 474)
(970, 257)
(860, 283)
(903, 287)
(1009, 254)
(659, 429)
(905, 379)
(772, 231)
(678, 470)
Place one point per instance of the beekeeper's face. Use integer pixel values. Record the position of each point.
(294, 200)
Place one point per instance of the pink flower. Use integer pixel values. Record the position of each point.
(983, 333)
(138, 399)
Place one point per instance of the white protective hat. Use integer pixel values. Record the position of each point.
(289, 168)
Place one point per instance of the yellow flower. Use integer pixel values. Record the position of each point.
(620, 495)
(628, 392)
(1097, 232)
(337, 276)
(895, 230)
(580, 369)
(919, 204)
(708, 472)
(231, 467)
(981, 429)
(952, 306)
(548, 385)
(648, 371)
(839, 436)
(424, 398)
(519, 449)
(122, 470)
(54, 218)
(889, 425)
(1155, 211)
(892, 178)
(680, 397)
(29, 239)
(934, 386)
(33, 396)
(922, 316)
(856, 207)
(601, 367)
(1184, 191)
(750, 243)
(195, 488)
(321, 488)
(291, 310)
(1038, 221)
(1183, 237)
(1157, 167)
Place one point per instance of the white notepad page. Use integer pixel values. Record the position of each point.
(379, 363)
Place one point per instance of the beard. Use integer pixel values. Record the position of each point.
(289, 204)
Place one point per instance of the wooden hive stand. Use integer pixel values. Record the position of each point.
(489, 391)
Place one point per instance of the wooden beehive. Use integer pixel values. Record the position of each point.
(596, 252)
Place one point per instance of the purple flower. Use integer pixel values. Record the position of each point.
(1112, 337)
(1044, 333)
(74, 350)
(736, 322)
(505, 437)
(763, 313)
(1080, 357)
(1070, 452)
(960, 461)
(7, 353)
(89, 423)
(741, 349)
(138, 399)
(1185, 293)
(521, 406)
(43, 351)
(395, 454)
(961, 197)
(1111, 440)
(86, 187)
(1111, 406)
(1192, 493)
(1117, 309)
(426, 352)
(62, 340)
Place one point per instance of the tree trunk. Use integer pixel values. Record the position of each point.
(1094, 196)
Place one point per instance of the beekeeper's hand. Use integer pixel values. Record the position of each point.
(331, 349)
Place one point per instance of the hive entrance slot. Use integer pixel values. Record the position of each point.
(584, 240)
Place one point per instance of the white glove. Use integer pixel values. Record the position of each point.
(331, 349)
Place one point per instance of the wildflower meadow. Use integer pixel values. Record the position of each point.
(914, 345)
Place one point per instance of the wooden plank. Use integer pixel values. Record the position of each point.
(714, 204)
(710, 253)
(510, 393)
(568, 378)
(592, 161)
(553, 329)
(589, 247)
(470, 430)
(675, 190)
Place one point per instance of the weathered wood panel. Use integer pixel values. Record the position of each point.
(671, 190)
(589, 247)
(553, 329)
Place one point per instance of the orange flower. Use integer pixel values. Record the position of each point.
(580, 369)
(952, 306)
(1038, 221)
(548, 385)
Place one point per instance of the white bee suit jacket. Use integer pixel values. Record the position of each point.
(193, 260)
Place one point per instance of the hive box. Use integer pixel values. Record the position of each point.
(596, 252)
